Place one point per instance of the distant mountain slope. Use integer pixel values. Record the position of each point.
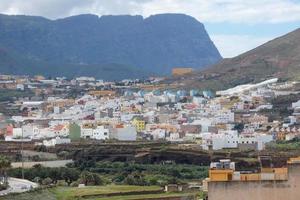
(155, 44)
(11, 63)
(277, 58)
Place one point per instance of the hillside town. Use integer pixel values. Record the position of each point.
(59, 111)
(149, 100)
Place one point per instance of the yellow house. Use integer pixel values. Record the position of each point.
(139, 124)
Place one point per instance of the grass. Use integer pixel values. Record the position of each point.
(45, 194)
(67, 193)
(147, 196)
(110, 192)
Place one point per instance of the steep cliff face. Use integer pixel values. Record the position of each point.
(152, 45)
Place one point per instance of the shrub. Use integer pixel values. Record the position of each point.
(47, 181)
(74, 184)
(89, 178)
(61, 183)
(37, 180)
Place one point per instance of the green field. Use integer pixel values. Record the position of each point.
(111, 192)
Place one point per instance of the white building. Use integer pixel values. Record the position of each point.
(30, 130)
(231, 139)
(100, 133)
(86, 133)
(198, 100)
(127, 133)
(55, 141)
(204, 122)
(296, 104)
(174, 137)
(224, 117)
(158, 134)
(225, 139)
(17, 132)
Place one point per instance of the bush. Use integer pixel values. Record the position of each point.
(36, 158)
(61, 183)
(89, 178)
(40, 148)
(47, 181)
(74, 184)
(118, 178)
(37, 180)
(63, 154)
(135, 179)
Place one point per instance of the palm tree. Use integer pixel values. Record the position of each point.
(4, 165)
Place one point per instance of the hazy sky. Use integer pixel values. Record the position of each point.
(235, 26)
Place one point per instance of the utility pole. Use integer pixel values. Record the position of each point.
(22, 149)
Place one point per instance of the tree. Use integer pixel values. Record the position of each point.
(89, 178)
(69, 175)
(135, 179)
(239, 127)
(5, 164)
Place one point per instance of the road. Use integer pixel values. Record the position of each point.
(18, 186)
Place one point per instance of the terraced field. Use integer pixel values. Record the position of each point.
(111, 192)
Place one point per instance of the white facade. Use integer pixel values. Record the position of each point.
(204, 122)
(296, 104)
(226, 117)
(86, 133)
(17, 132)
(30, 131)
(198, 100)
(231, 139)
(100, 133)
(158, 134)
(225, 139)
(174, 137)
(124, 134)
(55, 141)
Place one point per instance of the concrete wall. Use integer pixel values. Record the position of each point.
(258, 190)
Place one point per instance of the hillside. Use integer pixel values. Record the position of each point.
(92, 45)
(277, 58)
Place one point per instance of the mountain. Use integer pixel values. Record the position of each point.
(91, 45)
(278, 58)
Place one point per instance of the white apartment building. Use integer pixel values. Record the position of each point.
(55, 141)
(224, 117)
(231, 139)
(158, 134)
(86, 133)
(100, 133)
(126, 133)
(174, 137)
